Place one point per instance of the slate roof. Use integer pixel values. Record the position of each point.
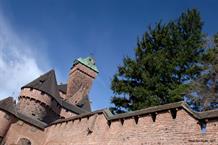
(8, 105)
(72, 108)
(47, 83)
(84, 104)
(63, 88)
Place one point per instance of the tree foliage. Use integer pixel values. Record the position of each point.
(166, 60)
(203, 92)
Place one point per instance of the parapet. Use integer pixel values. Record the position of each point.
(172, 108)
(173, 123)
(8, 105)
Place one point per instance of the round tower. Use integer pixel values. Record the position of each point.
(37, 98)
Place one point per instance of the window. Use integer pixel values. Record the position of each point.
(24, 141)
(41, 81)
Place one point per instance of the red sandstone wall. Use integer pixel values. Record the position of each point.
(32, 108)
(5, 120)
(165, 131)
(62, 95)
(42, 97)
(79, 82)
(66, 114)
(20, 130)
(36, 94)
(41, 106)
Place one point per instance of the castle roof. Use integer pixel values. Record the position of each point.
(63, 88)
(88, 61)
(47, 83)
(85, 104)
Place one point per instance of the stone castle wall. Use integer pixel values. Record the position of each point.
(5, 121)
(96, 130)
(20, 130)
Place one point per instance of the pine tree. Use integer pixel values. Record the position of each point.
(166, 59)
(203, 92)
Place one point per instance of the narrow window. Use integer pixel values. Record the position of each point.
(24, 141)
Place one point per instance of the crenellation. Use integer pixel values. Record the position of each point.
(147, 119)
(129, 122)
(37, 95)
(153, 116)
(115, 125)
(145, 132)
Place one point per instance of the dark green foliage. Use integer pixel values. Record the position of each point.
(203, 92)
(166, 59)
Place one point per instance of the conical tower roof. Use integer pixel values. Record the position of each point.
(46, 83)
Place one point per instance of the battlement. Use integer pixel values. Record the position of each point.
(172, 123)
(153, 112)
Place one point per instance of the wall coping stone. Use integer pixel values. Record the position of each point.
(161, 108)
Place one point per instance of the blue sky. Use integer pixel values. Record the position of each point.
(38, 35)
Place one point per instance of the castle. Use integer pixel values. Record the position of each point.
(50, 114)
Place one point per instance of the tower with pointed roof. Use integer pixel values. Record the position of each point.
(81, 76)
(45, 100)
(37, 98)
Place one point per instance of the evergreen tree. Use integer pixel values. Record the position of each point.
(203, 92)
(166, 59)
